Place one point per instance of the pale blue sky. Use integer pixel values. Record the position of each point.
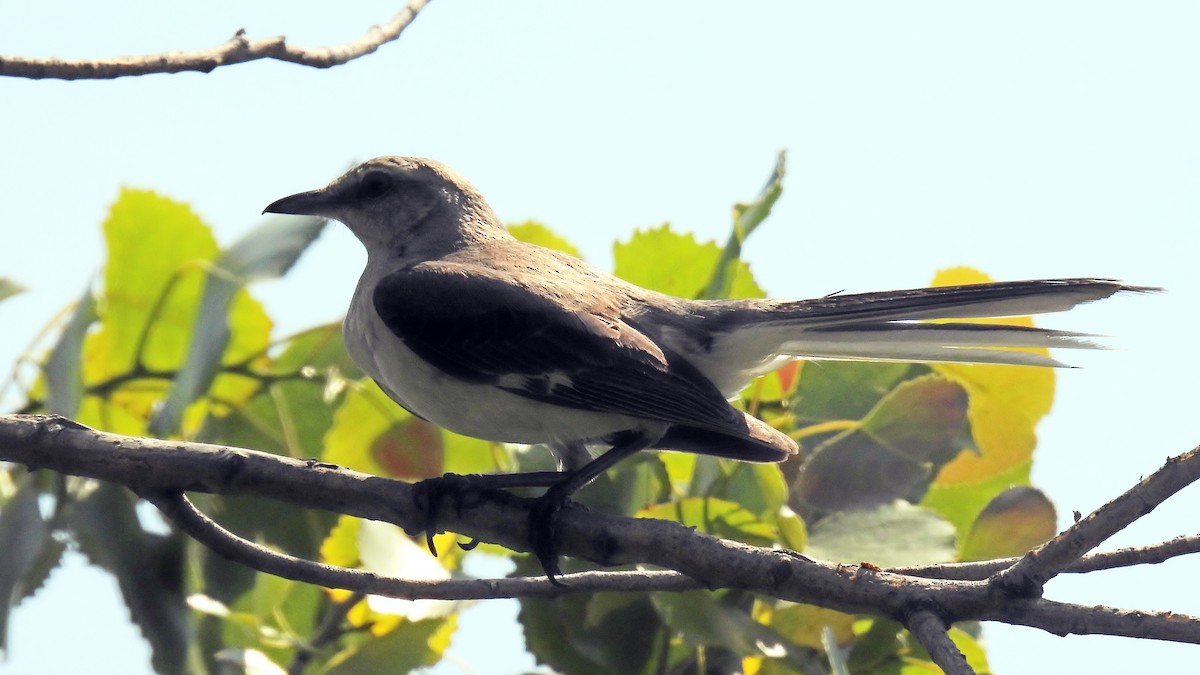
(1027, 139)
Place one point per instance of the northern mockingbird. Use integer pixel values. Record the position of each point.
(487, 336)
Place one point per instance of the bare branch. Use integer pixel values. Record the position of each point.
(1128, 556)
(930, 630)
(1064, 618)
(1027, 576)
(157, 468)
(237, 49)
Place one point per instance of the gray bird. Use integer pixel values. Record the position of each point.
(491, 337)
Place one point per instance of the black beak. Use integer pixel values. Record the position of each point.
(311, 203)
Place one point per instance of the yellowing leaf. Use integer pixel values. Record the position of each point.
(156, 251)
(341, 546)
(714, 516)
(366, 414)
(803, 625)
(960, 503)
(1006, 403)
(1014, 522)
(371, 433)
(158, 254)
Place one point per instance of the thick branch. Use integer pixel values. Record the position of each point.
(238, 49)
(158, 468)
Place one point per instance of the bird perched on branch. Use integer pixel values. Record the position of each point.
(491, 337)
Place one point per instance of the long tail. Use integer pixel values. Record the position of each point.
(889, 325)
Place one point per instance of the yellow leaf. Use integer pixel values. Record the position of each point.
(1006, 403)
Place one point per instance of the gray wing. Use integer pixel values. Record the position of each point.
(547, 342)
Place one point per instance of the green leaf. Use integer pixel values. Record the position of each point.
(793, 532)
(676, 264)
(371, 433)
(110, 535)
(746, 218)
(892, 453)
(9, 288)
(272, 616)
(267, 251)
(878, 647)
(718, 517)
(291, 416)
(705, 621)
(922, 419)
(406, 648)
(24, 535)
(64, 367)
(270, 249)
(961, 503)
(853, 471)
(889, 535)
(758, 487)
(804, 624)
(156, 250)
(843, 390)
(536, 233)
(1014, 522)
(571, 636)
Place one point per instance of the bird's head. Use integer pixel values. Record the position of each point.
(396, 204)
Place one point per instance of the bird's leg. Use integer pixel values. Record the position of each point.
(543, 517)
(429, 493)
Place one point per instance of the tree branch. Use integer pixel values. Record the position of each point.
(1128, 556)
(158, 469)
(190, 520)
(238, 49)
(930, 631)
(1029, 574)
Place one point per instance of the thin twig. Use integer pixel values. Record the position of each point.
(1026, 577)
(329, 630)
(1128, 556)
(200, 527)
(238, 49)
(1065, 618)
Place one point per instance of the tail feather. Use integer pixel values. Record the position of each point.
(755, 336)
(935, 342)
(970, 301)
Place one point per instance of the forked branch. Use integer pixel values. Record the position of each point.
(237, 49)
(927, 600)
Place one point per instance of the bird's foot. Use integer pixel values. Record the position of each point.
(428, 495)
(543, 530)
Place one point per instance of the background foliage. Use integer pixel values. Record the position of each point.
(900, 464)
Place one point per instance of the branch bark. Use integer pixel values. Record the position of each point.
(237, 49)
(162, 470)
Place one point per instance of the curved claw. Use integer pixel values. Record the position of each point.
(469, 546)
(428, 495)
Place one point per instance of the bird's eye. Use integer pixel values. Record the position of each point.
(374, 185)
